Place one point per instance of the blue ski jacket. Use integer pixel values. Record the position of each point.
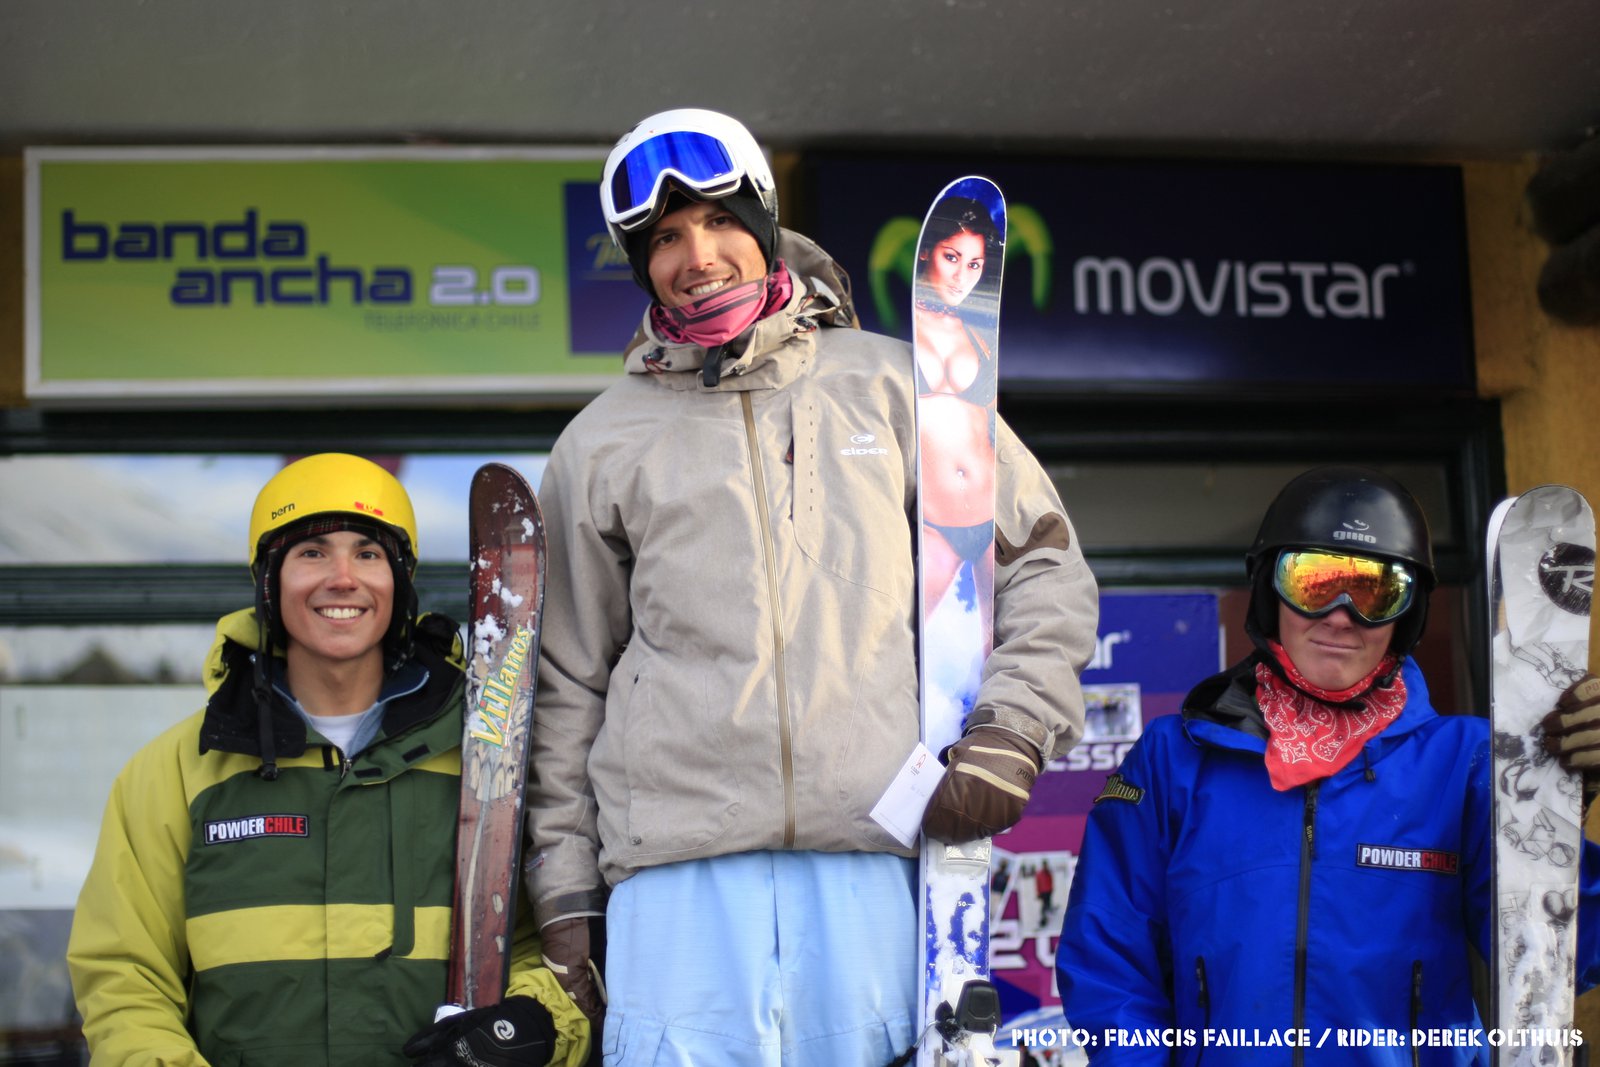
(1214, 920)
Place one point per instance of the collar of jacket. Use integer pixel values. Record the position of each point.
(231, 722)
(773, 350)
(1222, 710)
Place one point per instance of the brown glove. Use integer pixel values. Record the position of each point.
(989, 777)
(1572, 734)
(1572, 731)
(569, 955)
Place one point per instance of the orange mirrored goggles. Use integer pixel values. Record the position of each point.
(1376, 591)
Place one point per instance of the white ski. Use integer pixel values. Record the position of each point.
(1541, 579)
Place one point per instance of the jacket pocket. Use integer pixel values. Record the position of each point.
(850, 493)
(870, 745)
(683, 783)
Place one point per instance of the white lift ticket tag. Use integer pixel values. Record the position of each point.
(900, 809)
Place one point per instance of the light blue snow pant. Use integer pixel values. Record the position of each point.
(763, 958)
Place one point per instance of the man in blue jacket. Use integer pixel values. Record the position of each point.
(1307, 846)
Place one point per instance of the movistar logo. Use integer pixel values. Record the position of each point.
(1161, 285)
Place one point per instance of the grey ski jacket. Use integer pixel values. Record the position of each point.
(728, 654)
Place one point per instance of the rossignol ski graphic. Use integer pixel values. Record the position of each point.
(507, 565)
(955, 322)
(1541, 579)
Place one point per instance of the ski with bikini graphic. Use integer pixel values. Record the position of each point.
(955, 318)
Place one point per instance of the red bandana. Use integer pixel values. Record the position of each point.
(725, 314)
(1311, 737)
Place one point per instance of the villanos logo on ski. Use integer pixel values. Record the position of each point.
(500, 690)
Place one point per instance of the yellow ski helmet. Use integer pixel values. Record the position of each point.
(327, 486)
(321, 494)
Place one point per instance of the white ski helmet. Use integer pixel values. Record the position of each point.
(704, 155)
(707, 154)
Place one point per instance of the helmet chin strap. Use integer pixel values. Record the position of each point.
(261, 687)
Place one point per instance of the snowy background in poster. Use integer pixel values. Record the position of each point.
(1152, 649)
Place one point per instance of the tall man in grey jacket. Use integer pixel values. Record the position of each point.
(728, 680)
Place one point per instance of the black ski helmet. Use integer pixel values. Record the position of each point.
(1351, 510)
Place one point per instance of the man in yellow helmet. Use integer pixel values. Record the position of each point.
(273, 880)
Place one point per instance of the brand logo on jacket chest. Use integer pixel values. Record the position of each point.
(222, 831)
(861, 441)
(1408, 859)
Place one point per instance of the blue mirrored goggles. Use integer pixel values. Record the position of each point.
(699, 161)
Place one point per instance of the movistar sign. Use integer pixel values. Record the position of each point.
(1162, 285)
(1186, 273)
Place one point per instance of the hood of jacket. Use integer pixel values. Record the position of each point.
(821, 298)
(232, 717)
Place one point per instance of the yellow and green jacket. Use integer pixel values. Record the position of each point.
(232, 920)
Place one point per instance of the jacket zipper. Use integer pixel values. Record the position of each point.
(775, 608)
(1416, 1009)
(1205, 1000)
(1308, 851)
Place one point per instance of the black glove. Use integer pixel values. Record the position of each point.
(569, 950)
(1572, 734)
(517, 1032)
(989, 777)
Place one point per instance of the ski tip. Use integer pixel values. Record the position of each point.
(498, 481)
(973, 187)
(970, 184)
(1560, 498)
(1497, 519)
(1560, 509)
(498, 472)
